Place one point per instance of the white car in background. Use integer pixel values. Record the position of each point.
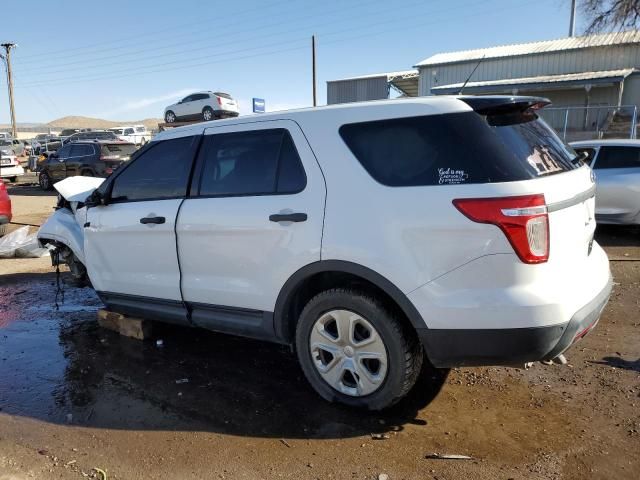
(10, 167)
(202, 106)
(616, 164)
(136, 134)
(369, 236)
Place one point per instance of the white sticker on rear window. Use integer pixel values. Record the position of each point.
(449, 176)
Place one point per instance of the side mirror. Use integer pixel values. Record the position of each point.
(96, 199)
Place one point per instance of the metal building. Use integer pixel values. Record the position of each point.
(593, 81)
(372, 87)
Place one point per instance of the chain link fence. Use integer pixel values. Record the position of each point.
(587, 123)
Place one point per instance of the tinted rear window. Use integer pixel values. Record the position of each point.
(223, 95)
(123, 149)
(458, 148)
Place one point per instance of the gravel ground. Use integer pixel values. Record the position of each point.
(74, 397)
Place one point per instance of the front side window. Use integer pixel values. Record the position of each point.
(618, 157)
(260, 162)
(458, 148)
(129, 131)
(159, 173)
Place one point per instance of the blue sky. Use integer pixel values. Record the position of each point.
(126, 60)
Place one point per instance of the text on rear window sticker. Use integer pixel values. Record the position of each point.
(449, 176)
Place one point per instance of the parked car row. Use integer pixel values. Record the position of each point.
(88, 158)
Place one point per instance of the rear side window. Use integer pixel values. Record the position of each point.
(160, 172)
(618, 157)
(458, 148)
(260, 162)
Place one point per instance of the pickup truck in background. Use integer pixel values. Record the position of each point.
(136, 134)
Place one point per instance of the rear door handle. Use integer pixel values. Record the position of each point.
(156, 220)
(288, 217)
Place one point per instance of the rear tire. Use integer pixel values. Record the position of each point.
(372, 366)
(207, 114)
(44, 180)
(170, 117)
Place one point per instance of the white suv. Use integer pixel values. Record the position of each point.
(369, 236)
(202, 106)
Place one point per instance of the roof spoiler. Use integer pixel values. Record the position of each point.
(496, 105)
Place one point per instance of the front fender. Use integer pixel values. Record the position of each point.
(62, 227)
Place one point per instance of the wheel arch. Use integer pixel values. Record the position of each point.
(301, 286)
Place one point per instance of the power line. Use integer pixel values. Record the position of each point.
(142, 68)
(83, 63)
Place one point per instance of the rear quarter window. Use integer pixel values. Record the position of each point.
(458, 148)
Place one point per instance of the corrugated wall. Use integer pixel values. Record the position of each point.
(556, 63)
(345, 91)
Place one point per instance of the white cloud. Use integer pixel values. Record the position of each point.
(134, 105)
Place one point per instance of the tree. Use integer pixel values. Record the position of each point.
(610, 15)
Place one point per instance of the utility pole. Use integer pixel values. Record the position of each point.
(313, 62)
(7, 59)
(572, 20)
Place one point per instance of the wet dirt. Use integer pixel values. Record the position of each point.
(74, 397)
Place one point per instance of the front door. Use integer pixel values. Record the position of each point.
(130, 243)
(57, 164)
(617, 171)
(254, 218)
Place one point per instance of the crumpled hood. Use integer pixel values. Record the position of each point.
(77, 189)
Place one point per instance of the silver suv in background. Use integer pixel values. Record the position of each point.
(202, 106)
(617, 169)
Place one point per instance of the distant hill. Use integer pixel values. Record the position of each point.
(88, 122)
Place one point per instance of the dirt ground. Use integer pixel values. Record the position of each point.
(74, 397)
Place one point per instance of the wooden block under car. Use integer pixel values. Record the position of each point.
(127, 326)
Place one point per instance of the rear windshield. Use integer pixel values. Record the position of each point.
(458, 148)
(223, 95)
(123, 149)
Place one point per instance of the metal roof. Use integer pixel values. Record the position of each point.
(543, 80)
(405, 80)
(562, 44)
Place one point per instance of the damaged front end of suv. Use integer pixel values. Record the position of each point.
(64, 230)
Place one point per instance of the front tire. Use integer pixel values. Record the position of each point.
(355, 351)
(170, 117)
(45, 181)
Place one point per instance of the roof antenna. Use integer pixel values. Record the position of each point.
(471, 74)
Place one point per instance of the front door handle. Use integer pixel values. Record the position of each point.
(156, 220)
(288, 217)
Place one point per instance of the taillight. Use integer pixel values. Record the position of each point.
(523, 219)
(219, 101)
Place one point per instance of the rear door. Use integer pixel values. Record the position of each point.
(254, 218)
(618, 184)
(130, 244)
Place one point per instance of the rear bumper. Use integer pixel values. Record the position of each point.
(11, 171)
(510, 346)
